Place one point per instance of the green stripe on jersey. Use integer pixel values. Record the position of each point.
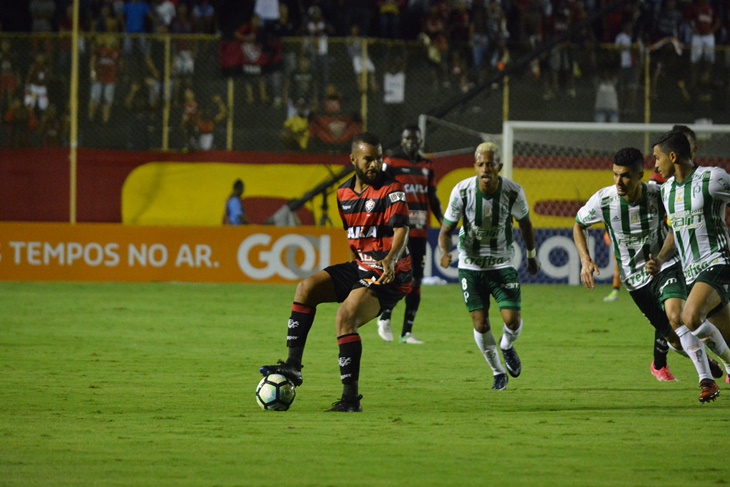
(606, 212)
(644, 221)
(671, 197)
(478, 212)
(691, 232)
(626, 229)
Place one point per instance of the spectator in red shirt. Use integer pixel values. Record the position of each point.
(252, 37)
(104, 63)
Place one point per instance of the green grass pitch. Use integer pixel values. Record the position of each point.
(153, 385)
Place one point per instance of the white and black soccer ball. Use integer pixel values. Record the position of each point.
(275, 393)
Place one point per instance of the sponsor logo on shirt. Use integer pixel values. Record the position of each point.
(415, 188)
(396, 197)
(687, 220)
(362, 232)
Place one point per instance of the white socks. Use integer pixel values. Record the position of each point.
(509, 336)
(488, 347)
(681, 352)
(712, 338)
(696, 351)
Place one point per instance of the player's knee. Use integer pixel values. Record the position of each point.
(304, 290)
(481, 324)
(345, 322)
(675, 319)
(512, 321)
(691, 318)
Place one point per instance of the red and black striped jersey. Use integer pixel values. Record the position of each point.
(417, 178)
(369, 219)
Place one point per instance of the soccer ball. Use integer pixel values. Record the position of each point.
(275, 393)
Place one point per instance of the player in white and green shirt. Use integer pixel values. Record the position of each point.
(695, 199)
(486, 205)
(634, 217)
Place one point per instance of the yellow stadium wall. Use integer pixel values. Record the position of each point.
(187, 194)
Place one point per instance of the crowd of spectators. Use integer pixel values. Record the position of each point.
(132, 16)
(464, 40)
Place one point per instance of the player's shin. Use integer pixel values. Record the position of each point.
(661, 348)
(680, 352)
(413, 301)
(696, 352)
(713, 339)
(488, 346)
(509, 336)
(300, 322)
(349, 361)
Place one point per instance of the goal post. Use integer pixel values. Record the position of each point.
(569, 161)
(466, 135)
(562, 164)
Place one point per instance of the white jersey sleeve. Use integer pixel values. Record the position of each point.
(455, 210)
(520, 210)
(720, 184)
(591, 213)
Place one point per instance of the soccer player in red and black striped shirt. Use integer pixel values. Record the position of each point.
(415, 173)
(375, 215)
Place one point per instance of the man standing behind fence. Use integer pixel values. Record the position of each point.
(415, 173)
(234, 206)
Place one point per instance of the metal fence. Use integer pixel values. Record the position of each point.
(177, 93)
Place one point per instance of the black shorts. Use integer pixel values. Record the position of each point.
(650, 298)
(348, 276)
(417, 249)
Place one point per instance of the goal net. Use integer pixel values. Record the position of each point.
(560, 165)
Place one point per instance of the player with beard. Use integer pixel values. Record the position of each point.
(415, 172)
(374, 213)
(636, 223)
(487, 205)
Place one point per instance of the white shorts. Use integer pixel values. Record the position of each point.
(183, 63)
(107, 89)
(205, 141)
(357, 65)
(36, 94)
(703, 47)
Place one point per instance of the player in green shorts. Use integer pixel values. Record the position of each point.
(634, 217)
(695, 199)
(486, 205)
